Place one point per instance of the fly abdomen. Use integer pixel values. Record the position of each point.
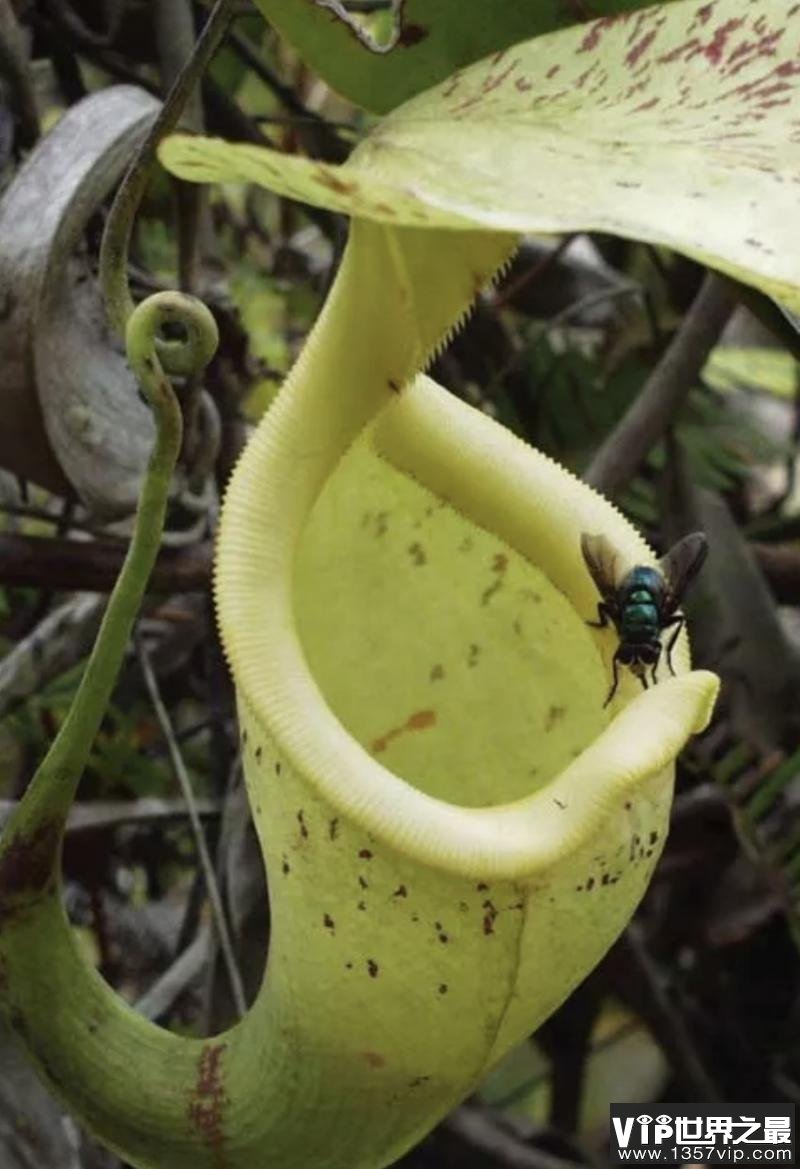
(640, 617)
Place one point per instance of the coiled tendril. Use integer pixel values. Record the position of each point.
(53, 787)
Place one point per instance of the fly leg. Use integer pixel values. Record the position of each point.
(615, 668)
(604, 616)
(678, 621)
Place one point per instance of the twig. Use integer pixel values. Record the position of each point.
(30, 512)
(93, 566)
(319, 136)
(285, 94)
(105, 815)
(206, 864)
(182, 973)
(668, 1024)
(534, 270)
(69, 19)
(665, 390)
(484, 1133)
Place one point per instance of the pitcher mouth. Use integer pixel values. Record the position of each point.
(539, 509)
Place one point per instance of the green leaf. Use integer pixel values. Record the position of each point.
(773, 370)
(433, 38)
(676, 125)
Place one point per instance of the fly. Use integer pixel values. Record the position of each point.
(643, 603)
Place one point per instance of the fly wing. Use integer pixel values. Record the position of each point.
(683, 561)
(602, 560)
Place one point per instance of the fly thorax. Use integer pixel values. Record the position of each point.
(644, 577)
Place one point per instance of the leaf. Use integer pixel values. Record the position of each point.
(771, 370)
(71, 413)
(677, 125)
(433, 38)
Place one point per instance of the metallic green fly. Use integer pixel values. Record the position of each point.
(643, 602)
